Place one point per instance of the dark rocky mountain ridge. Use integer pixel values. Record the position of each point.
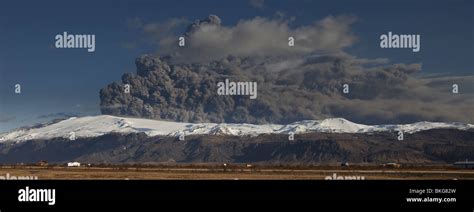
(437, 146)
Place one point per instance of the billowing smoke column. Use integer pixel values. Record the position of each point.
(293, 85)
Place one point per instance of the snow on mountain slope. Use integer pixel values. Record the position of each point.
(93, 126)
(337, 125)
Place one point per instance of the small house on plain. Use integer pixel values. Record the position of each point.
(392, 165)
(73, 164)
(42, 163)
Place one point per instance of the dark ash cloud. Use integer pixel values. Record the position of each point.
(293, 84)
(309, 89)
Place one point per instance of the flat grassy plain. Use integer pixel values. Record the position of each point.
(213, 172)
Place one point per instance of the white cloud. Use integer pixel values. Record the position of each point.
(210, 40)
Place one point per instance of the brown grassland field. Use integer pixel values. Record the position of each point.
(233, 172)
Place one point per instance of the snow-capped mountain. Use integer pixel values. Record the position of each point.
(93, 126)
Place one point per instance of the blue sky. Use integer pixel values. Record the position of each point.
(68, 81)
